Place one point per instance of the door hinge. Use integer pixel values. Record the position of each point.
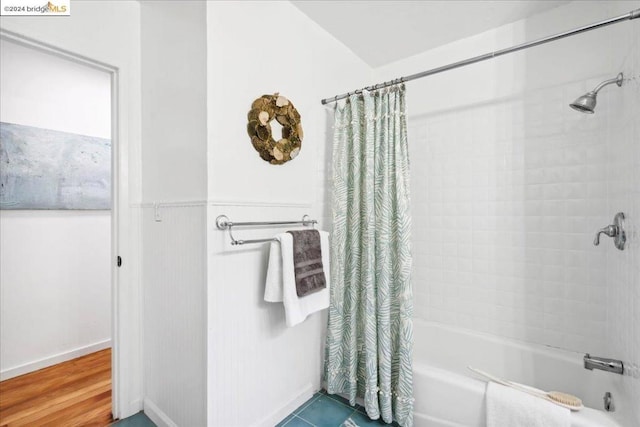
(119, 261)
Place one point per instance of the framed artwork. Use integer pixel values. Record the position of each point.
(49, 169)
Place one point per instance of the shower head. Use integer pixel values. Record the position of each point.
(587, 102)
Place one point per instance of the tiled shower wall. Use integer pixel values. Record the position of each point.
(623, 268)
(508, 191)
(506, 197)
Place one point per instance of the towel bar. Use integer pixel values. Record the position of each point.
(223, 223)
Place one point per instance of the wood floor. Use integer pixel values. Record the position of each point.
(73, 393)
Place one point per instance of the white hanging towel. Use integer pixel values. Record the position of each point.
(509, 407)
(281, 282)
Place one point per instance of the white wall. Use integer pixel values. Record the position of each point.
(174, 161)
(68, 97)
(109, 32)
(509, 186)
(55, 274)
(260, 370)
(174, 146)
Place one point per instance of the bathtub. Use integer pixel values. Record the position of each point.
(447, 395)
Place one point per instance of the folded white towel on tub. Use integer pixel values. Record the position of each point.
(507, 407)
(281, 282)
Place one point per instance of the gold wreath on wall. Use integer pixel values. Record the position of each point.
(263, 111)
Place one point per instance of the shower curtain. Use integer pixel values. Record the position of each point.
(370, 336)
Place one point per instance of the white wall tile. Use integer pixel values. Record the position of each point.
(623, 268)
(509, 187)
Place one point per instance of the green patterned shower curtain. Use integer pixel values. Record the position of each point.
(370, 335)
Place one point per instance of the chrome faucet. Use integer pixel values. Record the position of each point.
(609, 230)
(604, 364)
(615, 230)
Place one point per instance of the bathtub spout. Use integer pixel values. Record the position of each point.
(604, 364)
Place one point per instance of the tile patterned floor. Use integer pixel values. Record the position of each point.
(329, 410)
(322, 410)
(137, 420)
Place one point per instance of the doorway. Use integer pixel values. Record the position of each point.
(57, 228)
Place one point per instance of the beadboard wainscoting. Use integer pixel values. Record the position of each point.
(259, 369)
(174, 314)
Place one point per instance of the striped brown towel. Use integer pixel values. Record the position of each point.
(307, 262)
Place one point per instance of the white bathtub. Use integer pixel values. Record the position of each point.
(447, 395)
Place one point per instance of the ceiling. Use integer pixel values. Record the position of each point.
(381, 32)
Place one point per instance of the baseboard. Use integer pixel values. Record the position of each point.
(131, 408)
(156, 415)
(278, 415)
(53, 360)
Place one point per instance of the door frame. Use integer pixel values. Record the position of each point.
(121, 394)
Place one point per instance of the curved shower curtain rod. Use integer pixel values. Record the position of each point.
(627, 16)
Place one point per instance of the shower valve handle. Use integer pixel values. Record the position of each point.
(615, 230)
(609, 230)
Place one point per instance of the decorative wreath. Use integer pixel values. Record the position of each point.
(263, 111)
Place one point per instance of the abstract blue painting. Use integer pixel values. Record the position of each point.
(48, 169)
